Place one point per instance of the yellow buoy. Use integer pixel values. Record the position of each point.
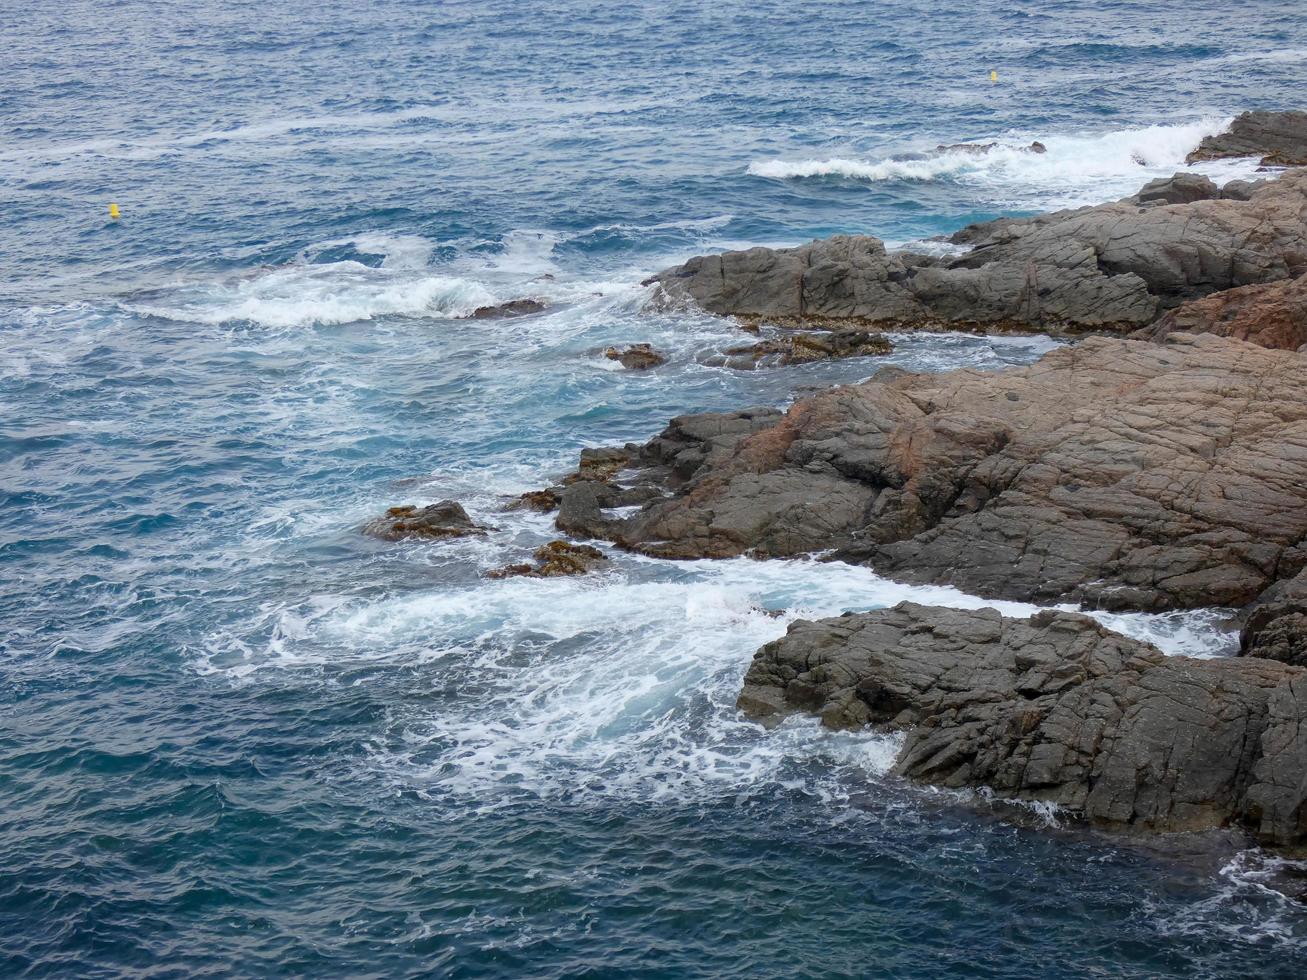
(113, 212)
(993, 75)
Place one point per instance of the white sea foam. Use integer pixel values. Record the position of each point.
(1074, 168)
(622, 683)
(334, 292)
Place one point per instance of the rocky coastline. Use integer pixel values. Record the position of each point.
(1157, 462)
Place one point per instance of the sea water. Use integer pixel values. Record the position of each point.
(238, 737)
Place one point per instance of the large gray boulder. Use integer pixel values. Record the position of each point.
(1056, 709)
(1124, 473)
(1279, 138)
(1114, 267)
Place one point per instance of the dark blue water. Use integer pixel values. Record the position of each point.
(237, 737)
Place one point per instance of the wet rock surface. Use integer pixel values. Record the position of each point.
(1270, 315)
(1125, 473)
(805, 347)
(636, 357)
(516, 307)
(446, 519)
(1115, 267)
(1278, 138)
(1056, 709)
(555, 559)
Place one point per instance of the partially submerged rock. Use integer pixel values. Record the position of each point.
(980, 149)
(1279, 138)
(515, 307)
(636, 357)
(1117, 472)
(807, 346)
(557, 558)
(1114, 267)
(1268, 314)
(446, 519)
(1056, 709)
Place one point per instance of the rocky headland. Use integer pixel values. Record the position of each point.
(1159, 462)
(1114, 267)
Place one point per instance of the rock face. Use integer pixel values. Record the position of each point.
(806, 347)
(1279, 138)
(1270, 314)
(1117, 472)
(555, 559)
(446, 519)
(636, 357)
(1277, 625)
(1114, 267)
(1058, 709)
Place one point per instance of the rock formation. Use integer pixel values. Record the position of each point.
(1276, 627)
(557, 558)
(1269, 314)
(446, 519)
(1114, 267)
(1118, 472)
(502, 311)
(805, 347)
(636, 357)
(1056, 709)
(1279, 138)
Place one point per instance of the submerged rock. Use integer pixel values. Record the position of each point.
(1114, 267)
(805, 347)
(555, 559)
(1056, 709)
(515, 307)
(1119, 472)
(636, 357)
(446, 519)
(1279, 138)
(1269, 314)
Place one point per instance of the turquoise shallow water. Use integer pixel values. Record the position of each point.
(236, 737)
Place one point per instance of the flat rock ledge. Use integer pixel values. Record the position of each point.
(1119, 473)
(1056, 709)
(1111, 268)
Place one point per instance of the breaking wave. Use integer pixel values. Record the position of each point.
(1086, 166)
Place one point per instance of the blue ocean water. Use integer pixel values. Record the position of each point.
(239, 738)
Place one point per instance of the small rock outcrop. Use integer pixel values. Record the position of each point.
(1115, 267)
(446, 519)
(806, 347)
(636, 357)
(555, 559)
(1269, 314)
(1056, 709)
(1278, 138)
(515, 307)
(1123, 473)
